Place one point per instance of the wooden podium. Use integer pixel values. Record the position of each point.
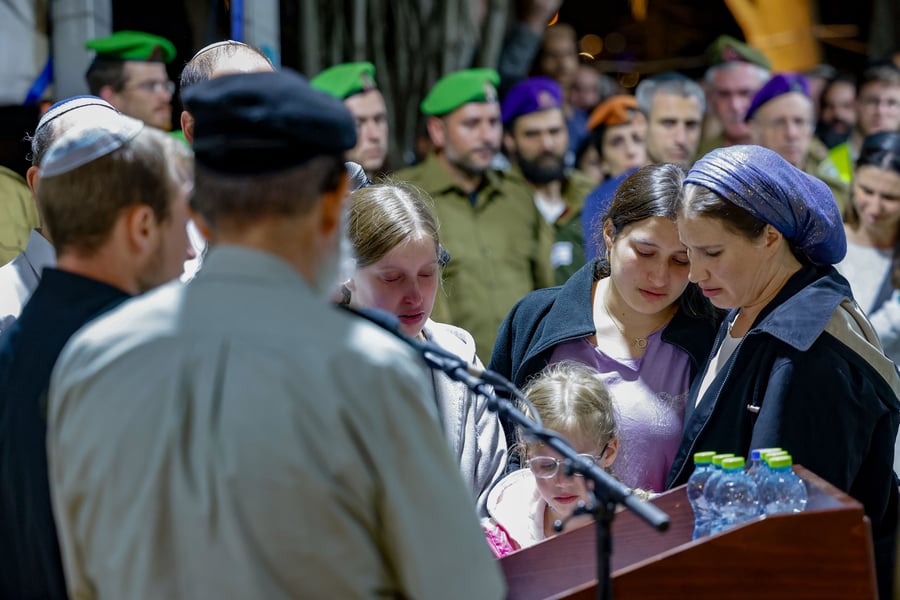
(823, 552)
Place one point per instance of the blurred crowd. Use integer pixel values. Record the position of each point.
(187, 411)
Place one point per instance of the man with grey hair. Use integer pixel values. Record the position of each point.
(737, 70)
(113, 194)
(20, 276)
(674, 107)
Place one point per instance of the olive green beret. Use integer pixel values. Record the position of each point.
(453, 90)
(728, 49)
(345, 79)
(133, 45)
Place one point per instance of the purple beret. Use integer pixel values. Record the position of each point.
(783, 83)
(530, 95)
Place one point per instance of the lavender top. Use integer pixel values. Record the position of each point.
(649, 404)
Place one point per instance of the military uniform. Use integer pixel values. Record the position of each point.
(567, 254)
(815, 158)
(18, 214)
(499, 247)
(710, 144)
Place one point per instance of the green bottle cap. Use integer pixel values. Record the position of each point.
(703, 458)
(781, 460)
(734, 463)
(718, 458)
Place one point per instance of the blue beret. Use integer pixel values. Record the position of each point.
(530, 95)
(253, 123)
(783, 83)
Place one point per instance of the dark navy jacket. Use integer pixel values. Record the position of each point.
(835, 410)
(30, 563)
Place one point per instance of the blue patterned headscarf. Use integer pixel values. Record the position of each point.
(761, 182)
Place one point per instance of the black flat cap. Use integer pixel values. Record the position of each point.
(254, 123)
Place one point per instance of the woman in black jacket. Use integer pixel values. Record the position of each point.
(633, 316)
(796, 363)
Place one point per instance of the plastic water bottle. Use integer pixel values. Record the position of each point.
(735, 497)
(696, 485)
(764, 471)
(782, 491)
(717, 472)
(756, 462)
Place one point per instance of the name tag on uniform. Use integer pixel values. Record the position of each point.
(561, 254)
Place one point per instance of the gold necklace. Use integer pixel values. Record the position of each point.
(637, 342)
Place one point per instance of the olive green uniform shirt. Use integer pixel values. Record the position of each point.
(18, 214)
(499, 246)
(568, 252)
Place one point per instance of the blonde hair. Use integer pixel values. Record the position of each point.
(571, 397)
(385, 215)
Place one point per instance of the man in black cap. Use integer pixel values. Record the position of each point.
(201, 449)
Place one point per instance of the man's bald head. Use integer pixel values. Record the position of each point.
(221, 58)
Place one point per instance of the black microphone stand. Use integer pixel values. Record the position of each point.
(607, 491)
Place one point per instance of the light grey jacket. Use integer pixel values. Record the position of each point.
(473, 432)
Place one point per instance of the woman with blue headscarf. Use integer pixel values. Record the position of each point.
(796, 363)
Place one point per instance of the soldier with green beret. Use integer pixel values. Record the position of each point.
(354, 83)
(498, 242)
(737, 70)
(129, 72)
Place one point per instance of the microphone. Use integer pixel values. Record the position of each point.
(435, 356)
(357, 176)
(457, 368)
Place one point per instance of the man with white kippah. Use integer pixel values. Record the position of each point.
(20, 276)
(113, 194)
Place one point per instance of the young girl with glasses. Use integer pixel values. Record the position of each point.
(572, 400)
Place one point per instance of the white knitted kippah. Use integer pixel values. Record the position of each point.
(87, 142)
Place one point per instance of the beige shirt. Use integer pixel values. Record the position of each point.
(237, 437)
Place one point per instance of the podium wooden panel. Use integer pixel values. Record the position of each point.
(823, 552)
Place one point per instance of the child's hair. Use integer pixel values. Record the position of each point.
(571, 397)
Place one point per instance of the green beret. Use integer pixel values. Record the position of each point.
(728, 49)
(453, 90)
(133, 45)
(345, 79)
